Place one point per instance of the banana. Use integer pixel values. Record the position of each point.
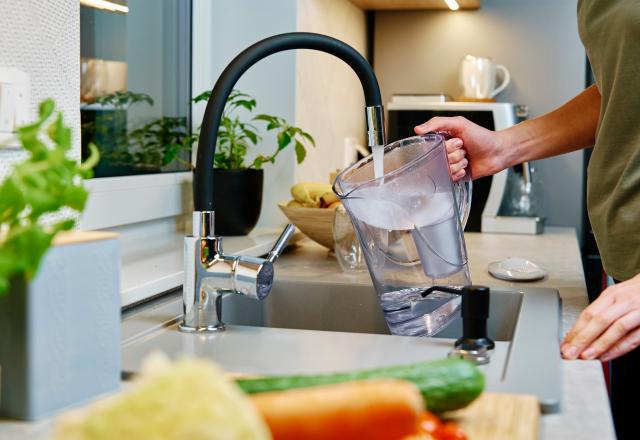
(328, 199)
(309, 193)
(294, 204)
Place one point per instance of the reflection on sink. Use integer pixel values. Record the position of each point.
(349, 308)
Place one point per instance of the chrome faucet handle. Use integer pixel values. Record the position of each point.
(253, 277)
(282, 242)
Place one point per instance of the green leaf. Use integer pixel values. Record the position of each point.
(284, 139)
(124, 99)
(301, 152)
(31, 242)
(92, 160)
(60, 134)
(258, 162)
(171, 153)
(45, 109)
(263, 117)
(63, 225)
(76, 197)
(308, 137)
(204, 96)
(251, 135)
(248, 104)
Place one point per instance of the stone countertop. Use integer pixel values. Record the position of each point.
(585, 412)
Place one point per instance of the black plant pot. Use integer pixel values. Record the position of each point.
(237, 199)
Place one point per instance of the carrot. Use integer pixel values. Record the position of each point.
(385, 409)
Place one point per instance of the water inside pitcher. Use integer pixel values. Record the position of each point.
(409, 222)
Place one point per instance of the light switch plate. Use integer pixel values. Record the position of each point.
(14, 104)
(7, 107)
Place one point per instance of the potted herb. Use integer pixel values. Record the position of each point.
(155, 145)
(238, 182)
(59, 295)
(146, 149)
(104, 122)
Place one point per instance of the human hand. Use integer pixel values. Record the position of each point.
(470, 144)
(609, 327)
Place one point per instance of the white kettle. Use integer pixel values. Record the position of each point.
(478, 77)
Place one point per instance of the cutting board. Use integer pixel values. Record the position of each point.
(495, 416)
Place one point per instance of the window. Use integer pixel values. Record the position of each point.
(136, 85)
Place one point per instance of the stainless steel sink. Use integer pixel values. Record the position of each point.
(349, 308)
(312, 327)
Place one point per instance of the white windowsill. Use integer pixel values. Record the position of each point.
(125, 200)
(155, 266)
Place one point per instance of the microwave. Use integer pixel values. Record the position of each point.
(405, 112)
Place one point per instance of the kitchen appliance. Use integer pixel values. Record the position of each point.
(478, 77)
(489, 193)
(408, 222)
(425, 97)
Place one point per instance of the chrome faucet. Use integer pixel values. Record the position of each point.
(209, 273)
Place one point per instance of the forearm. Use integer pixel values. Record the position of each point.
(568, 128)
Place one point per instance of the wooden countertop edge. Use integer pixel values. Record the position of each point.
(76, 237)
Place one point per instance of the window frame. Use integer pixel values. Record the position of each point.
(123, 200)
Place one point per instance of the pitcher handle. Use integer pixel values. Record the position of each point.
(506, 78)
(463, 190)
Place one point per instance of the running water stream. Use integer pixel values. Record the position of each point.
(378, 160)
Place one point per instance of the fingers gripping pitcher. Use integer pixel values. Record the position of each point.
(409, 218)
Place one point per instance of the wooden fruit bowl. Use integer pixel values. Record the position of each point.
(315, 223)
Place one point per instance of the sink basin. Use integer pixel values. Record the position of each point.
(313, 327)
(349, 308)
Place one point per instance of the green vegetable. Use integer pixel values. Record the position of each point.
(446, 384)
(45, 183)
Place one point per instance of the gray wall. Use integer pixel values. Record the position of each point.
(222, 29)
(42, 39)
(419, 51)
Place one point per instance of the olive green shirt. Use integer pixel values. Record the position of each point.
(610, 32)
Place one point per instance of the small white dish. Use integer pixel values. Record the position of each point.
(516, 269)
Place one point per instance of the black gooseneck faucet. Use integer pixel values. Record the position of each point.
(209, 274)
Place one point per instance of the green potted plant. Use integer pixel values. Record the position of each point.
(155, 145)
(59, 295)
(238, 183)
(104, 122)
(146, 149)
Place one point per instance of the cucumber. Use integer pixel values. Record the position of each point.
(445, 385)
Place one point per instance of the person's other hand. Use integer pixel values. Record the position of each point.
(609, 327)
(470, 144)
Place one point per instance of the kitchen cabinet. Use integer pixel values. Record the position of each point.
(389, 5)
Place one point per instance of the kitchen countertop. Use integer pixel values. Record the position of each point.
(585, 412)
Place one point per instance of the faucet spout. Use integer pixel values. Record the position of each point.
(203, 175)
(209, 273)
